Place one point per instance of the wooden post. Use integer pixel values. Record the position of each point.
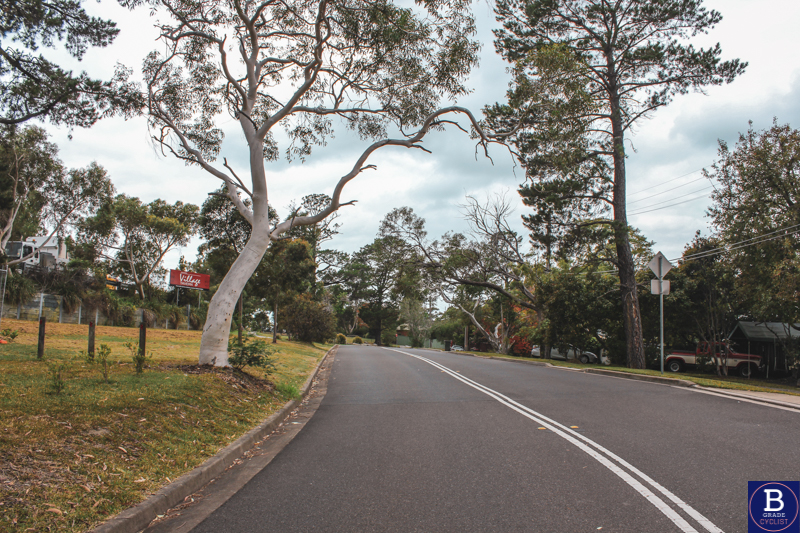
(40, 350)
(90, 348)
(142, 337)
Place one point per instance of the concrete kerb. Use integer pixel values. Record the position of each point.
(675, 382)
(136, 518)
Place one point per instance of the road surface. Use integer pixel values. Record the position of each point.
(416, 440)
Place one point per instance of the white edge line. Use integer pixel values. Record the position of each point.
(572, 435)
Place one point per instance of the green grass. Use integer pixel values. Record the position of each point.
(70, 460)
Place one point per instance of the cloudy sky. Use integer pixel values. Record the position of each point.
(668, 151)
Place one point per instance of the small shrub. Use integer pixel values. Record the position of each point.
(388, 337)
(278, 336)
(103, 353)
(341, 339)
(139, 358)
(358, 340)
(57, 383)
(9, 334)
(251, 353)
(288, 391)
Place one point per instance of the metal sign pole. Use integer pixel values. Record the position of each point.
(661, 308)
(660, 266)
(3, 297)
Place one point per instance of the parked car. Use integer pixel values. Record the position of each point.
(583, 357)
(745, 364)
(456, 348)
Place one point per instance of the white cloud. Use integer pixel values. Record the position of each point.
(677, 140)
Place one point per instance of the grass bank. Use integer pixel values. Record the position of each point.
(70, 459)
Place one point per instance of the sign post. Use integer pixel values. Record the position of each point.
(188, 280)
(660, 266)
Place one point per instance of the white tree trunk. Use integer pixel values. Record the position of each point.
(214, 344)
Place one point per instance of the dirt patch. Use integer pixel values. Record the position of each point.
(235, 378)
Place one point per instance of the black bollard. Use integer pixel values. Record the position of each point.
(40, 351)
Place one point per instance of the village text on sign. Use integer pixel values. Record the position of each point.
(190, 280)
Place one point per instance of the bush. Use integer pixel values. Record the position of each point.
(139, 358)
(278, 336)
(102, 358)
(388, 337)
(57, 383)
(341, 339)
(254, 353)
(307, 320)
(358, 340)
(10, 334)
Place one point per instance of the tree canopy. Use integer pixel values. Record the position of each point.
(585, 72)
(34, 87)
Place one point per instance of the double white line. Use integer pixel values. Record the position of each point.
(603, 456)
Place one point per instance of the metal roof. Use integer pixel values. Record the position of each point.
(766, 331)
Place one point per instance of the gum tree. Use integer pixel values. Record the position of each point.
(300, 66)
(587, 71)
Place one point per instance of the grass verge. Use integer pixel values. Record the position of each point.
(704, 380)
(70, 459)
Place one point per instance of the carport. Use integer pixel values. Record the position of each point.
(767, 339)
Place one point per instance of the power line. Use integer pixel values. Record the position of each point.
(669, 190)
(752, 241)
(743, 244)
(667, 206)
(676, 198)
(663, 183)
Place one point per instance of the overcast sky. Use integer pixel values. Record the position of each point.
(666, 152)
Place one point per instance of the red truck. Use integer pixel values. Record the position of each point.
(745, 364)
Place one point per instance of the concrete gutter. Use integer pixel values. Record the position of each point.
(642, 377)
(136, 518)
(776, 398)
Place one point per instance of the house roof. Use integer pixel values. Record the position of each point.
(766, 331)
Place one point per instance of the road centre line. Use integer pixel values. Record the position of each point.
(575, 438)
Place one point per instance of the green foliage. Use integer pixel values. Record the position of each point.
(138, 357)
(341, 339)
(388, 337)
(307, 320)
(135, 236)
(584, 74)
(34, 87)
(20, 289)
(56, 384)
(358, 340)
(252, 352)
(288, 391)
(9, 334)
(102, 358)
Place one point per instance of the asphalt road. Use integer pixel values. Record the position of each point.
(443, 442)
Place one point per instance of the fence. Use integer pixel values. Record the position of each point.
(50, 306)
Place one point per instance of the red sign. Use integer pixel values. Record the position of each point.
(190, 280)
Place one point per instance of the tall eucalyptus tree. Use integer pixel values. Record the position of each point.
(298, 64)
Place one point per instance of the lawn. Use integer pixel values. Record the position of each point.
(70, 459)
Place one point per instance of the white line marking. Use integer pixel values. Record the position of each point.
(574, 438)
(748, 400)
